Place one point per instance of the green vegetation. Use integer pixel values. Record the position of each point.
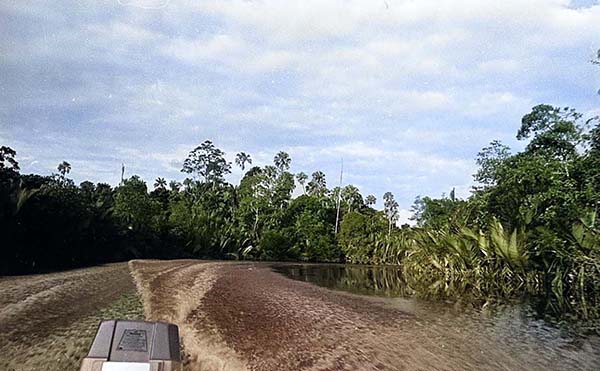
(530, 226)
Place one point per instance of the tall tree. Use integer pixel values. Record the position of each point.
(318, 185)
(453, 195)
(489, 160)
(370, 200)
(208, 162)
(64, 168)
(351, 198)
(241, 159)
(554, 131)
(282, 161)
(301, 177)
(391, 209)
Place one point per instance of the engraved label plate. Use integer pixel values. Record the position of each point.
(133, 340)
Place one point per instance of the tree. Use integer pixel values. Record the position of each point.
(313, 223)
(175, 186)
(283, 189)
(277, 245)
(555, 131)
(188, 183)
(133, 204)
(202, 220)
(359, 234)
(391, 210)
(318, 185)
(370, 200)
(104, 195)
(282, 161)
(351, 198)
(437, 213)
(7, 159)
(241, 159)
(316, 238)
(489, 160)
(302, 178)
(208, 162)
(263, 196)
(64, 168)
(161, 194)
(88, 189)
(160, 183)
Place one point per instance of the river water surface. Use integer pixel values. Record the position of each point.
(527, 337)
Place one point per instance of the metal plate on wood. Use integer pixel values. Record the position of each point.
(133, 340)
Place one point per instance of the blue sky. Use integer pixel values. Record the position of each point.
(406, 92)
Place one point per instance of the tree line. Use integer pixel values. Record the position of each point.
(528, 226)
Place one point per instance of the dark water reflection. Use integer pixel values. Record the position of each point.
(523, 325)
(389, 281)
(375, 280)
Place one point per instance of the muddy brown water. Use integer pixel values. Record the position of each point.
(236, 316)
(256, 316)
(48, 321)
(527, 336)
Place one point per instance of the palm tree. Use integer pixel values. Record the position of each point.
(370, 200)
(351, 197)
(175, 185)
(282, 161)
(241, 159)
(160, 183)
(319, 178)
(301, 177)
(318, 184)
(64, 168)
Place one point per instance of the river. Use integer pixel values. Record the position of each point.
(266, 316)
(526, 334)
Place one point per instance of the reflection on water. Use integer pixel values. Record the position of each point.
(376, 280)
(522, 326)
(389, 281)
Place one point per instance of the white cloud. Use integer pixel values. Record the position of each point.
(218, 47)
(146, 4)
(492, 103)
(356, 150)
(499, 65)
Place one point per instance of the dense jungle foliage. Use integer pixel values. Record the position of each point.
(529, 226)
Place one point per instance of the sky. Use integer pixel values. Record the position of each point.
(405, 92)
